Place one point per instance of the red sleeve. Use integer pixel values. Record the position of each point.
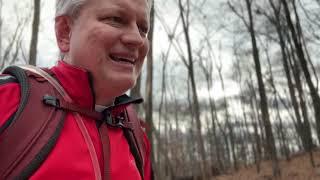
(147, 166)
(9, 101)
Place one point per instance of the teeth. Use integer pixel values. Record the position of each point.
(122, 59)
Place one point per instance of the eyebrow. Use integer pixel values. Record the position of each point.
(122, 10)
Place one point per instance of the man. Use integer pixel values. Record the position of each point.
(103, 44)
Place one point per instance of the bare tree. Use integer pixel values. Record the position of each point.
(184, 11)
(280, 129)
(296, 36)
(218, 66)
(35, 33)
(277, 22)
(11, 50)
(239, 70)
(271, 148)
(304, 127)
(207, 68)
(149, 82)
(136, 92)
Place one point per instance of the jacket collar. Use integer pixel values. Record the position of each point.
(78, 84)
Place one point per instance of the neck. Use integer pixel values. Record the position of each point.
(102, 97)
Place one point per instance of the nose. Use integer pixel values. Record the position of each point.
(132, 37)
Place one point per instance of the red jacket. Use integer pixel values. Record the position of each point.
(70, 158)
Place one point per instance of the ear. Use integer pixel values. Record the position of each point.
(63, 32)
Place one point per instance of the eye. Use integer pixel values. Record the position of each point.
(116, 19)
(143, 29)
(113, 20)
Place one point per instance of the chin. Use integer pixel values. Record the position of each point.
(129, 85)
(123, 85)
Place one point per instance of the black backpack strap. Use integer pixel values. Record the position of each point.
(135, 139)
(134, 150)
(16, 74)
(27, 141)
(122, 115)
(5, 78)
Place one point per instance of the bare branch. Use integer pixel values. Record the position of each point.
(241, 16)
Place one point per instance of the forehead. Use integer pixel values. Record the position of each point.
(140, 7)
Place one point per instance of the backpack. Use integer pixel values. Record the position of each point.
(26, 142)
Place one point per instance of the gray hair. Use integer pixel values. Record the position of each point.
(72, 7)
(68, 7)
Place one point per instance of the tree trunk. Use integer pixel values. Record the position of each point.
(214, 141)
(304, 65)
(246, 133)
(263, 98)
(136, 92)
(258, 147)
(227, 115)
(203, 165)
(190, 144)
(207, 70)
(35, 33)
(305, 126)
(299, 124)
(149, 83)
(262, 148)
(214, 118)
(281, 133)
(168, 169)
(244, 141)
(227, 147)
(257, 138)
(277, 23)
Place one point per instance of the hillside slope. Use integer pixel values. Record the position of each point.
(298, 168)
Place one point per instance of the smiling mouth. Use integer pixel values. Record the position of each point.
(121, 59)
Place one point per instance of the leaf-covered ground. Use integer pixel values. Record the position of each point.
(298, 168)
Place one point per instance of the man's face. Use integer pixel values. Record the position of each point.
(109, 38)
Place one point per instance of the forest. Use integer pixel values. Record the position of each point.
(227, 85)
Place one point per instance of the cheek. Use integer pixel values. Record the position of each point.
(139, 66)
(147, 46)
(144, 50)
(95, 40)
(143, 53)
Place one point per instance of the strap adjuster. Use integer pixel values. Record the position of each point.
(118, 121)
(51, 100)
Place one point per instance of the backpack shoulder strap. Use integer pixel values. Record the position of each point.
(27, 141)
(61, 94)
(14, 73)
(5, 79)
(135, 139)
